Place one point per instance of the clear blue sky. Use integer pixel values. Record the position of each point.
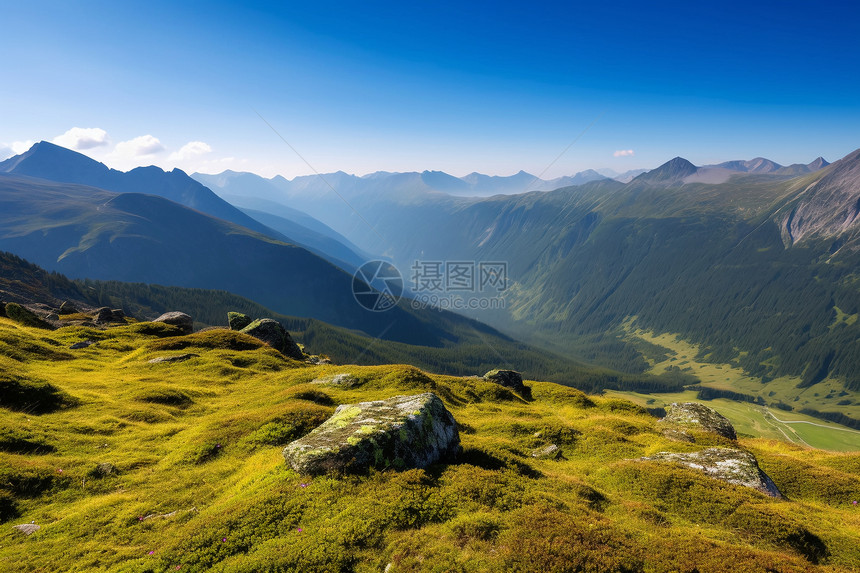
(493, 87)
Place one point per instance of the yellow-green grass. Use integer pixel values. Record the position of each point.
(200, 483)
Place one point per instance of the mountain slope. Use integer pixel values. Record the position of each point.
(48, 161)
(92, 233)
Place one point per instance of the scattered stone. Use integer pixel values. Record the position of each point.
(550, 452)
(104, 315)
(27, 528)
(67, 308)
(272, 333)
(103, 470)
(344, 379)
(726, 464)
(180, 319)
(401, 432)
(177, 358)
(509, 379)
(238, 321)
(698, 416)
(82, 344)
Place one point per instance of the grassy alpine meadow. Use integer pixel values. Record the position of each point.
(132, 466)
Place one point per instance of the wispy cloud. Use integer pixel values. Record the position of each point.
(623, 153)
(80, 138)
(190, 150)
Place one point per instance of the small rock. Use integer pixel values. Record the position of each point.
(180, 319)
(104, 469)
(237, 320)
(67, 308)
(27, 528)
(344, 379)
(509, 379)
(104, 315)
(698, 416)
(82, 344)
(401, 432)
(176, 358)
(550, 452)
(272, 333)
(726, 464)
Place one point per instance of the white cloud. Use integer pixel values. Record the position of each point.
(5, 152)
(190, 150)
(20, 147)
(623, 153)
(80, 138)
(138, 147)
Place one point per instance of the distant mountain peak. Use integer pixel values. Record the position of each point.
(818, 163)
(673, 170)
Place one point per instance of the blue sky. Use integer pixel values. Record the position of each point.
(493, 87)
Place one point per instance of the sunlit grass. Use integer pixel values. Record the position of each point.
(199, 481)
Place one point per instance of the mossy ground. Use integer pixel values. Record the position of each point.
(200, 483)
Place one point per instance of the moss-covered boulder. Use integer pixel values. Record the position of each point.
(698, 417)
(726, 464)
(180, 319)
(510, 379)
(401, 432)
(272, 333)
(237, 320)
(25, 317)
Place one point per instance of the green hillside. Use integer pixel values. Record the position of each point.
(130, 466)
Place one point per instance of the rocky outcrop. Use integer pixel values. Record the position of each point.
(237, 320)
(727, 464)
(401, 432)
(25, 317)
(272, 333)
(104, 315)
(180, 319)
(509, 379)
(697, 417)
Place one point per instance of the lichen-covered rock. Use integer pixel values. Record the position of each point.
(272, 333)
(344, 379)
(237, 320)
(180, 319)
(550, 452)
(699, 417)
(726, 464)
(27, 528)
(401, 432)
(509, 379)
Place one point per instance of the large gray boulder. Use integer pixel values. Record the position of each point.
(726, 464)
(180, 319)
(699, 417)
(510, 379)
(401, 432)
(272, 333)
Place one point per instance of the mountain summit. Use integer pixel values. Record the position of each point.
(671, 171)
